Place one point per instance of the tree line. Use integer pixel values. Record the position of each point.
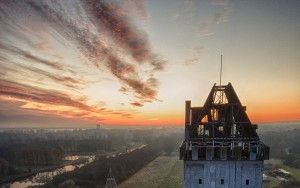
(123, 166)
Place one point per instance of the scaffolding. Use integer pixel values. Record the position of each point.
(221, 129)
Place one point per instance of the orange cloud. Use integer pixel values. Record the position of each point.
(54, 102)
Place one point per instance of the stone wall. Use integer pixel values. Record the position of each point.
(223, 174)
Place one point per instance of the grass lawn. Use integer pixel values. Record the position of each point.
(167, 172)
(164, 171)
(175, 177)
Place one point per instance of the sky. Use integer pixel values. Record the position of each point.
(79, 63)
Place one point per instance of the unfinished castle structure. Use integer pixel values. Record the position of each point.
(221, 147)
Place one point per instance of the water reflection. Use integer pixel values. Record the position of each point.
(44, 177)
(73, 157)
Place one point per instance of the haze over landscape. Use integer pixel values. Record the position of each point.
(120, 93)
(134, 63)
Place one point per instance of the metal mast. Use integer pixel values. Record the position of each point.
(110, 181)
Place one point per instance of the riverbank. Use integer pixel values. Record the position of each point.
(71, 162)
(123, 165)
(22, 177)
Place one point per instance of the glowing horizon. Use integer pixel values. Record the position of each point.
(134, 63)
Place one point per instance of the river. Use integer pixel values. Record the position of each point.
(44, 177)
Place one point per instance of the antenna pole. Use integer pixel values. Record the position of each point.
(221, 70)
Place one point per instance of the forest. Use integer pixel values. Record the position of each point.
(27, 151)
(284, 144)
(122, 166)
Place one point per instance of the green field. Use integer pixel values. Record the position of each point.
(164, 171)
(175, 176)
(295, 172)
(167, 172)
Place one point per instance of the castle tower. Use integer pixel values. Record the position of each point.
(221, 147)
(110, 181)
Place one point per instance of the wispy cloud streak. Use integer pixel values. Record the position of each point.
(207, 28)
(53, 101)
(102, 31)
(25, 54)
(111, 18)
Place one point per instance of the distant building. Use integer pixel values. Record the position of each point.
(110, 181)
(98, 126)
(221, 147)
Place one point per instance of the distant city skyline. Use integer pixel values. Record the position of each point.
(135, 62)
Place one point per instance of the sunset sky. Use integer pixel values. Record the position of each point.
(131, 62)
